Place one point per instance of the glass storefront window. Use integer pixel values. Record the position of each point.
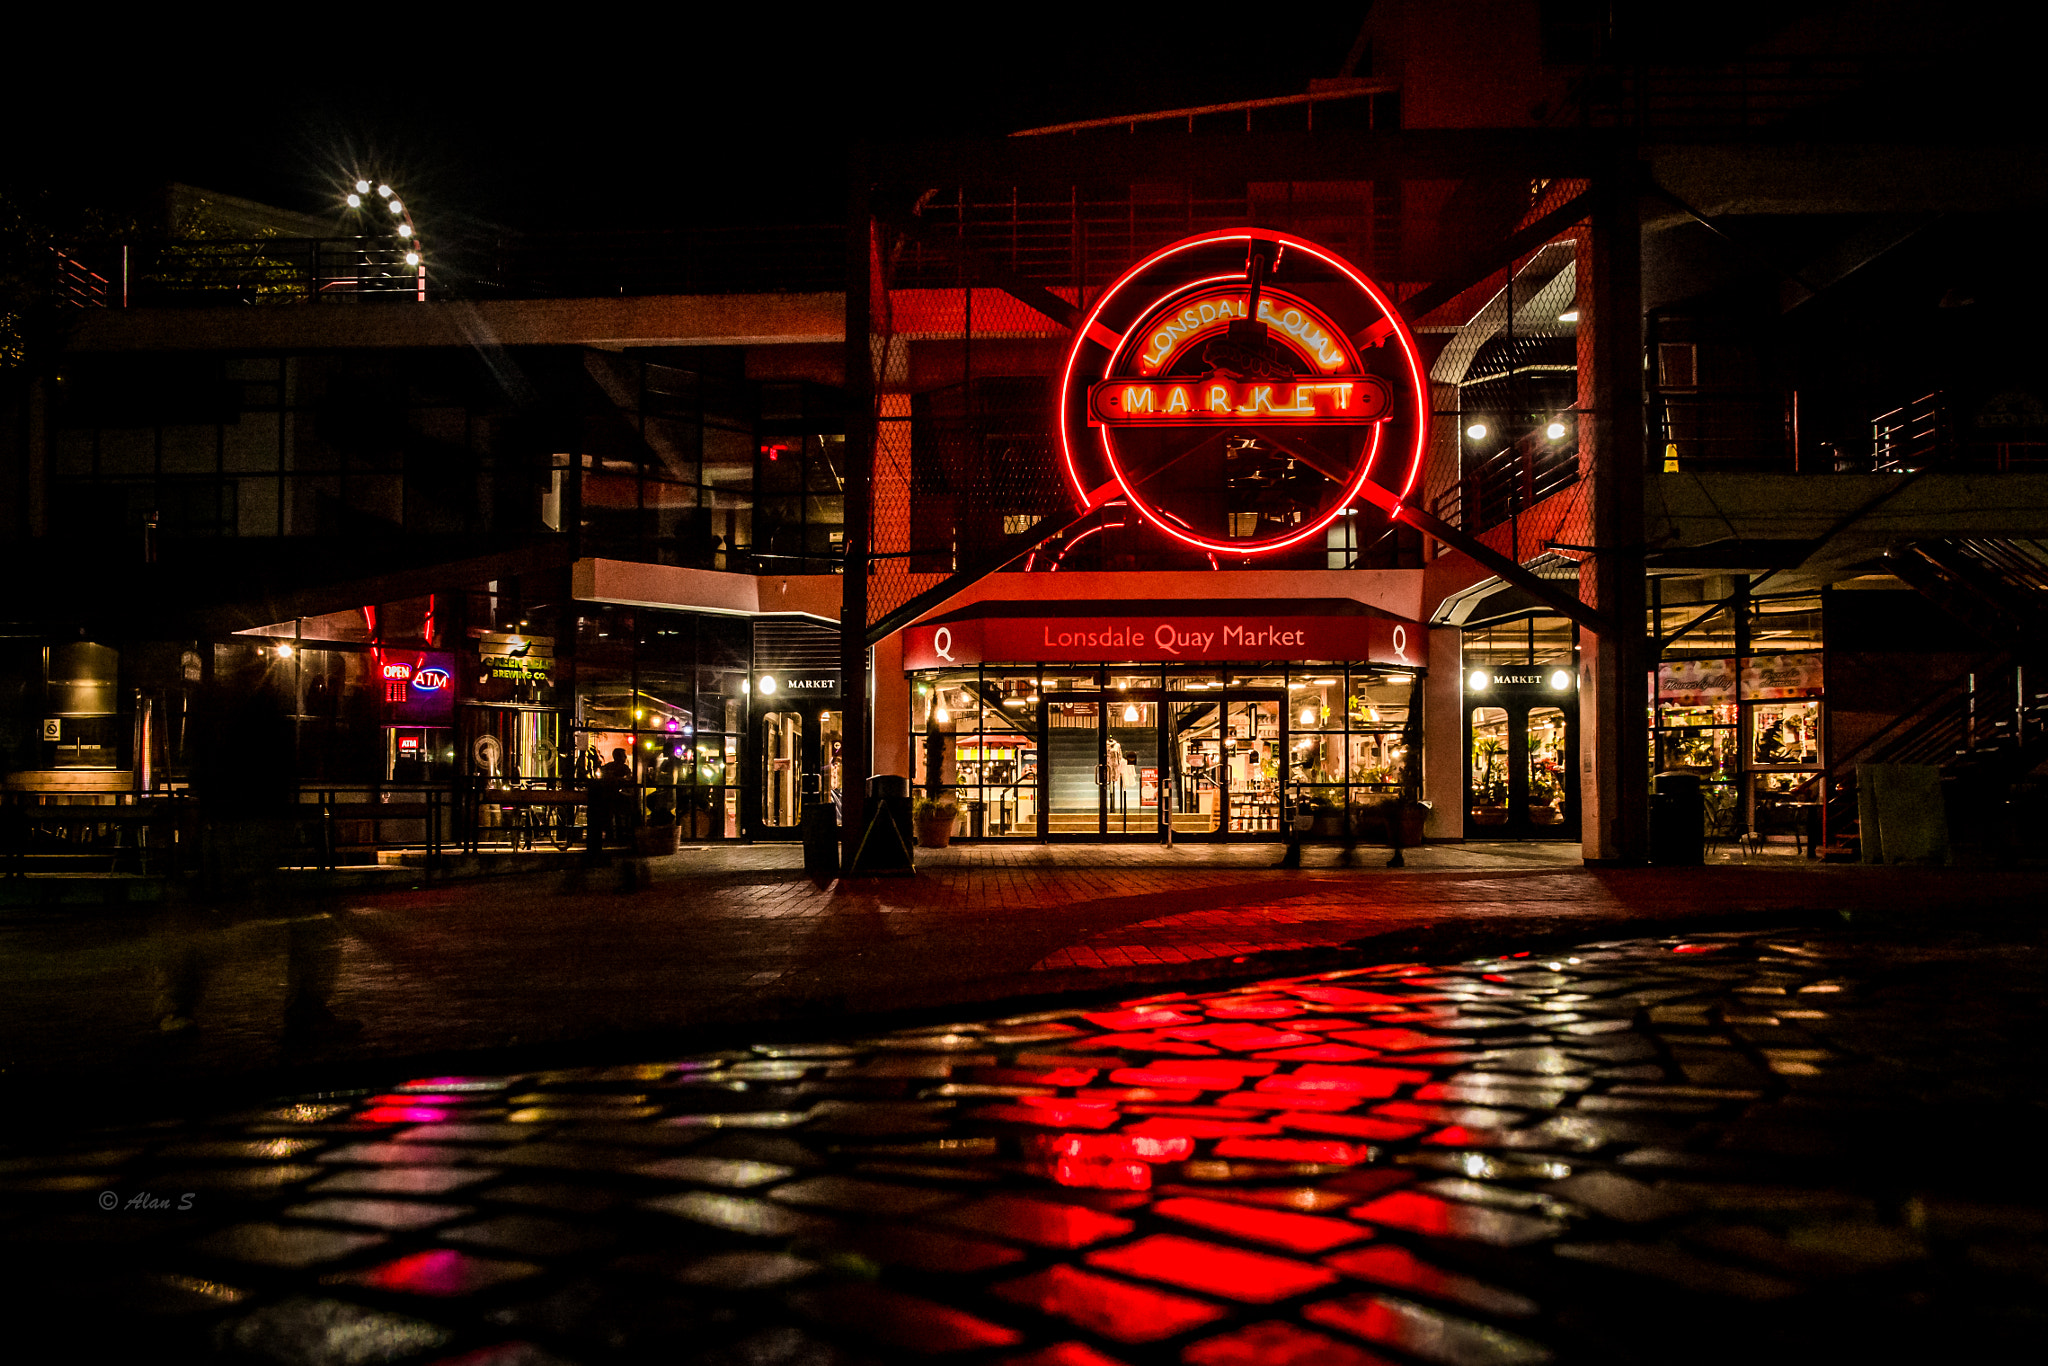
(1489, 761)
(1786, 734)
(1128, 750)
(1549, 775)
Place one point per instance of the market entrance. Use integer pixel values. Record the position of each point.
(1520, 735)
(1123, 762)
(797, 751)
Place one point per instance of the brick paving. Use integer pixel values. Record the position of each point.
(716, 939)
(1796, 1144)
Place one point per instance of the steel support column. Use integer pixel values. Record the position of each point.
(855, 756)
(1614, 764)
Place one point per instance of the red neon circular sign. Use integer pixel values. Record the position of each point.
(1238, 389)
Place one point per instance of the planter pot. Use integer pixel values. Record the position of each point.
(934, 832)
(653, 841)
(1545, 815)
(699, 824)
(1414, 816)
(1489, 815)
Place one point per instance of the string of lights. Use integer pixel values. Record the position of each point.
(365, 194)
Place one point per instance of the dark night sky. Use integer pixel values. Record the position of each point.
(626, 120)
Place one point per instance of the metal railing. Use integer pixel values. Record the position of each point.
(1924, 434)
(1729, 430)
(1508, 484)
(144, 834)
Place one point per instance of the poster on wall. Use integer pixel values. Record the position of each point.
(1148, 786)
(1773, 676)
(1697, 682)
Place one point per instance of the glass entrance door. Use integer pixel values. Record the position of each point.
(1101, 775)
(1256, 761)
(1230, 760)
(1071, 773)
(1519, 770)
(797, 749)
(1130, 765)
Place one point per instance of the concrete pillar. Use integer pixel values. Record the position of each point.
(1614, 803)
(1443, 734)
(890, 707)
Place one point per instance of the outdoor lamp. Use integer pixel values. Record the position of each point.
(1555, 431)
(767, 685)
(1560, 680)
(1477, 431)
(1479, 680)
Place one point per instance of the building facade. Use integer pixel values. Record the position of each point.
(1750, 382)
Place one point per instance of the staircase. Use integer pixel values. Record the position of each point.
(1987, 728)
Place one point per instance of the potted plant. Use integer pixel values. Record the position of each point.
(1328, 818)
(933, 817)
(1413, 816)
(1489, 782)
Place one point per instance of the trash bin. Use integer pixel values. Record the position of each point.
(1678, 821)
(820, 831)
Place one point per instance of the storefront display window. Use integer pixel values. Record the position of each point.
(1785, 734)
(1074, 752)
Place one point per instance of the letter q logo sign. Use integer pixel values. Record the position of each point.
(1401, 643)
(942, 643)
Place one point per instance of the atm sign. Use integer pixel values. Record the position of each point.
(430, 680)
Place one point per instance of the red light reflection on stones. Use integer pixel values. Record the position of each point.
(1154, 1043)
(440, 1272)
(1293, 1150)
(1053, 1112)
(1186, 1127)
(1353, 1126)
(1044, 1222)
(1240, 1038)
(1376, 1082)
(1269, 1009)
(1219, 1075)
(1323, 1052)
(1253, 1277)
(1115, 1176)
(1142, 1018)
(1397, 1040)
(1352, 996)
(1276, 1344)
(402, 1114)
(1062, 1354)
(1253, 1100)
(1115, 1309)
(1296, 1232)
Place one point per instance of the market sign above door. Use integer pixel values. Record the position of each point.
(1238, 388)
(1163, 639)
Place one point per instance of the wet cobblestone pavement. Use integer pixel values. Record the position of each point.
(1819, 1146)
